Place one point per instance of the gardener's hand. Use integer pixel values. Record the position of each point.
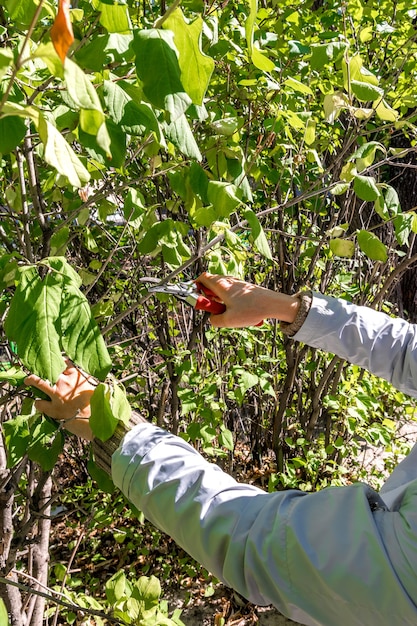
(247, 304)
(69, 399)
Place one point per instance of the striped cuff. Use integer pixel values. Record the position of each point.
(104, 450)
(306, 298)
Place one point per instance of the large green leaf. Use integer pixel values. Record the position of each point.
(135, 118)
(324, 53)
(372, 246)
(342, 247)
(17, 438)
(59, 154)
(48, 315)
(366, 92)
(32, 322)
(365, 188)
(158, 68)
(4, 619)
(223, 196)
(115, 18)
(196, 67)
(84, 96)
(6, 60)
(81, 339)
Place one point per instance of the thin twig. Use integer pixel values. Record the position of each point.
(56, 597)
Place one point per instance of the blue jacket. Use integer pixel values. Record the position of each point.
(344, 556)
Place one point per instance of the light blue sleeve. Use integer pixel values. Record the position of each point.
(336, 557)
(385, 346)
(319, 558)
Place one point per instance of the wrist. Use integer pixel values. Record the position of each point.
(290, 328)
(104, 450)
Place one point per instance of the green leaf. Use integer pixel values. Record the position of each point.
(158, 68)
(147, 590)
(403, 225)
(226, 439)
(372, 246)
(296, 85)
(17, 438)
(4, 619)
(9, 270)
(297, 48)
(102, 421)
(120, 404)
(136, 118)
(46, 443)
(259, 239)
(339, 189)
(246, 379)
(365, 188)
(117, 588)
(365, 155)
(366, 92)
(333, 104)
(330, 52)
(342, 247)
(59, 154)
(48, 315)
(258, 58)
(196, 67)
(80, 88)
(115, 17)
(223, 197)
(181, 135)
(12, 131)
(21, 11)
(386, 113)
(14, 375)
(261, 61)
(353, 69)
(81, 339)
(115, 155)
(31, 323)
(101, 477)
(6, 60)
(388, 203)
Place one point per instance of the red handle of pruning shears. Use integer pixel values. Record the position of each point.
(206, 302)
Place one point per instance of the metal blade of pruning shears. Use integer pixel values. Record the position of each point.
(201, 299)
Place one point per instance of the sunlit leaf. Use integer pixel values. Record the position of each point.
(365, 188)
(372, 246)
(102, 421)
(196, 67)
(342, 247)
(366, 92)
(259, 239)
(158, 68)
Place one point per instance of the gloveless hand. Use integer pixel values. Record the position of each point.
(69, 399)
(247, 304)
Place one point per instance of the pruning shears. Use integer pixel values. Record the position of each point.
(193, 293)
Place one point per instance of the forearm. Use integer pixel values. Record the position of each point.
(202, 508)
(305, 553)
